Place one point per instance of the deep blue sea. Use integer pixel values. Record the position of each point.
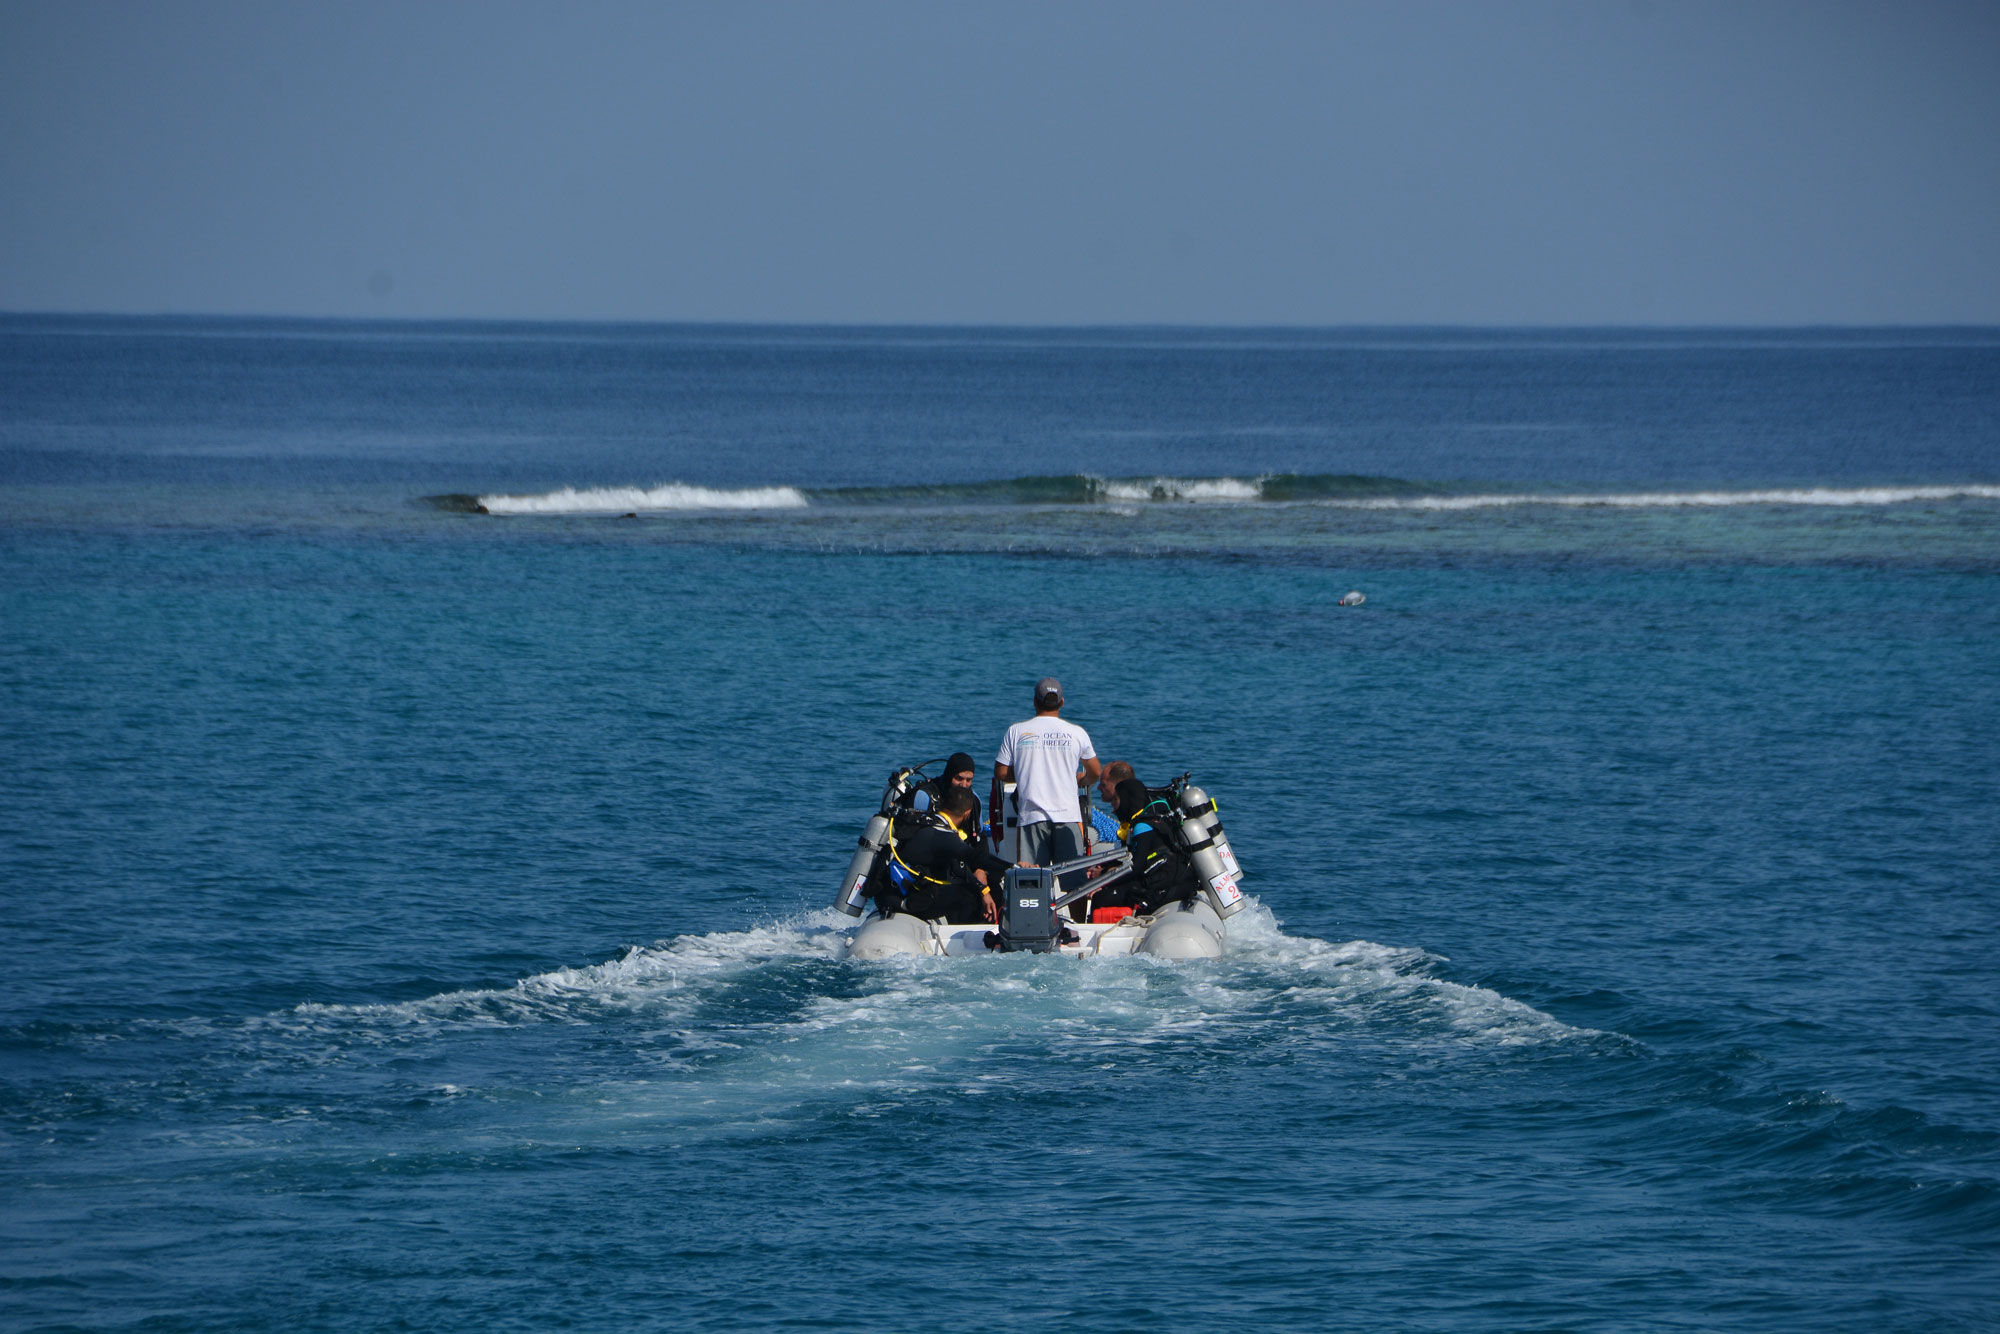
(417, 918)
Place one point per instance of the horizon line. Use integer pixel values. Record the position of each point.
(1079, 326)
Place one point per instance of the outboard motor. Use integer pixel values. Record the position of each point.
(1209, 851)
(874, 842)
(1027, 910)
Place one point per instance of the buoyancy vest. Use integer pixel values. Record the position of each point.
(1165, 852)
(1162, 823)
(907, 879)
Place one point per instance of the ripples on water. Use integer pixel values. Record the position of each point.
(1247, 1124)
(1623, 953)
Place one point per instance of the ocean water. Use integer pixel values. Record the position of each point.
(417, 918)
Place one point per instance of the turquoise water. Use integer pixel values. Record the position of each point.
(419, 919)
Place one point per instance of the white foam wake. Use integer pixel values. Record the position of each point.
(732, 1033)
(645, 976)
(632, 499)
(915, 1009)
(1818, 495)
(1387, 986)
(1182, 488)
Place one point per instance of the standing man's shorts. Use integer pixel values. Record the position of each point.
(1045, 842)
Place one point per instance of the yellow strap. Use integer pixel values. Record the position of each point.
(898, 857)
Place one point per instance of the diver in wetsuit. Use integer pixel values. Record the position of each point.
(958, 772)
(937, 868)
(925, 796)
(1161, 874)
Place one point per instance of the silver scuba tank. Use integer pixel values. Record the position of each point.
(874, 842)
(1209, 851)
(853, 893)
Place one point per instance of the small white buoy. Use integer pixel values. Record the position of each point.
(1354, 597)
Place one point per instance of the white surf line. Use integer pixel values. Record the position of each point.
(1866, 495)
(1181, 488)
(632, 499)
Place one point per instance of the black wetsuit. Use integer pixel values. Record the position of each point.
(1162, 876)
(934, 878)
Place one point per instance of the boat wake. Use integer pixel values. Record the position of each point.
(792, 977)
(739, 1032)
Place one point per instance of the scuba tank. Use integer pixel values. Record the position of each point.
(1208, 848)
(854, 890)
(874, 842)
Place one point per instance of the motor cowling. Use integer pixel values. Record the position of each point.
(1209, 851)
(1027, 910)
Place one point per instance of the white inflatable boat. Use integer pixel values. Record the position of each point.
(1032, 900)
(1178, 931)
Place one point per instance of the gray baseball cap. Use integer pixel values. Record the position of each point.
(1048, 685)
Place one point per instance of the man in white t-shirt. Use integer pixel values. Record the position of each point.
(1045, 758)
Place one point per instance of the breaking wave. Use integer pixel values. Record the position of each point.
(1818, 495)
(1089, 489)
(1065, 489)
(1335, 490)
(1188, 489)
(632, 499)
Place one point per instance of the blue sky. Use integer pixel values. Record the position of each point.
(1541, 162)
